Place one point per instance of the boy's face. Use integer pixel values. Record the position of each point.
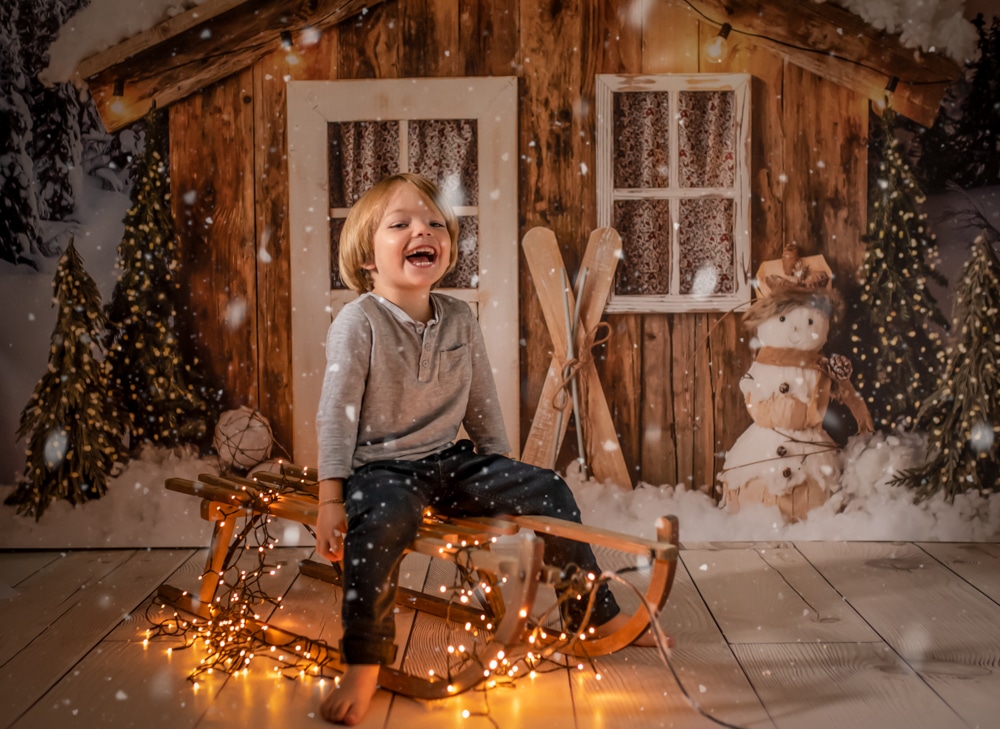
(411, 245)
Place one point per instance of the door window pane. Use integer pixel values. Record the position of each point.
(445, 152)
(466, 272)
(361, 154)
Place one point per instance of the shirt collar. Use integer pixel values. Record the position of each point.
(405, 318)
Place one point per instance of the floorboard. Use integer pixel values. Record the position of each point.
(943, 627)
(811, 635)
(772, 595)
(637, 688)
(837, 685)
(85, 617)
(978, 564)
(48, 593)
(18, 566)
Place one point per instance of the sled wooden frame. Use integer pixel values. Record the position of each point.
(465, 541)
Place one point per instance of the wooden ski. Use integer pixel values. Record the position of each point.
(548, 428)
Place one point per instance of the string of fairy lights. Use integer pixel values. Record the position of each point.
(236, 631)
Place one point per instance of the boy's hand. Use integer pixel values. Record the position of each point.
(331, 526)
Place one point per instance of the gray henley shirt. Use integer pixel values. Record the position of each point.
(395, 388)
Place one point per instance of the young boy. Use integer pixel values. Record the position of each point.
(405, 368)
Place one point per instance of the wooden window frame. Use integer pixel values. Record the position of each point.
(675, 302)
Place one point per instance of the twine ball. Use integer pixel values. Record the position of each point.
(243, 438)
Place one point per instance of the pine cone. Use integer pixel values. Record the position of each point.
(839, 367)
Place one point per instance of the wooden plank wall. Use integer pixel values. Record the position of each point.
(671, 380)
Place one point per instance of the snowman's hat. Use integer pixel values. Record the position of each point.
(793, 271)
(782, 299)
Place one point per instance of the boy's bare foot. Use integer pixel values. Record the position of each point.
(348, 703)
(646, 638)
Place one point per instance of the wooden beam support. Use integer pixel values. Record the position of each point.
(189, 52)
(838, 45)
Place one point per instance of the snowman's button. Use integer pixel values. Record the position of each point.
(787, 473)
(783, 388)
(782, 451)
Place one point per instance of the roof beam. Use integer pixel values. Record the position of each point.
(195, 49)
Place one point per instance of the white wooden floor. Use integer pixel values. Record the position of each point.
(811, 635)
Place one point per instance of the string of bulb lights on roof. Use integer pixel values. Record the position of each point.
(716, 48)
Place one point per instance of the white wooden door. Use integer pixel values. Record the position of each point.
(319, 113)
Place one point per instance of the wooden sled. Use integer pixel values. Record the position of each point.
(503, 614)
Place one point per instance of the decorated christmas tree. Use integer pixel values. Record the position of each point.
(74, 429)
(962, 416)
(895, 351)
(166, 398)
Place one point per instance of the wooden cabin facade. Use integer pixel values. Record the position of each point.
(670, 377)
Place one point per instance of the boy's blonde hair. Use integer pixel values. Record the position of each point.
(357, 240)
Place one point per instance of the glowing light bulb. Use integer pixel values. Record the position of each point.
(717, 47)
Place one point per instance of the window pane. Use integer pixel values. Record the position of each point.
(707, 264)
(707, 138)
(445, 151)
(466, 273)
(336, 226)
(642, 139)
(361, 154)
(644, 226)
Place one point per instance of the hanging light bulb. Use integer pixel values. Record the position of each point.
(716, 47)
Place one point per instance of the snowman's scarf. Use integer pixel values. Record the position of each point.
(836, 368)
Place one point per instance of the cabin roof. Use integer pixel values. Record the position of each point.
(211, 41)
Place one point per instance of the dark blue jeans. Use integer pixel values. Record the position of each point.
(385, 502)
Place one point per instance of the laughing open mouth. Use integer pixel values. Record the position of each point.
(422, 256)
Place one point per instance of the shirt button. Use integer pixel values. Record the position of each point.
(424, 363)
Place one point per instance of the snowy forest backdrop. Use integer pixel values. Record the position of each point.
(63, 177)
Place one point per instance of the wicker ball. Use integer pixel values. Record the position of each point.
(243, 438)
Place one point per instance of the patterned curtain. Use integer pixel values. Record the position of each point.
(707, 138)
(361, 154)
(642, 160)
(705, 159)
(446, 151)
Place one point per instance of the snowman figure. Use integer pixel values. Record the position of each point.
(785, 458)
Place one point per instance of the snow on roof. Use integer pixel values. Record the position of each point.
(930, 25)
(103, 24)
